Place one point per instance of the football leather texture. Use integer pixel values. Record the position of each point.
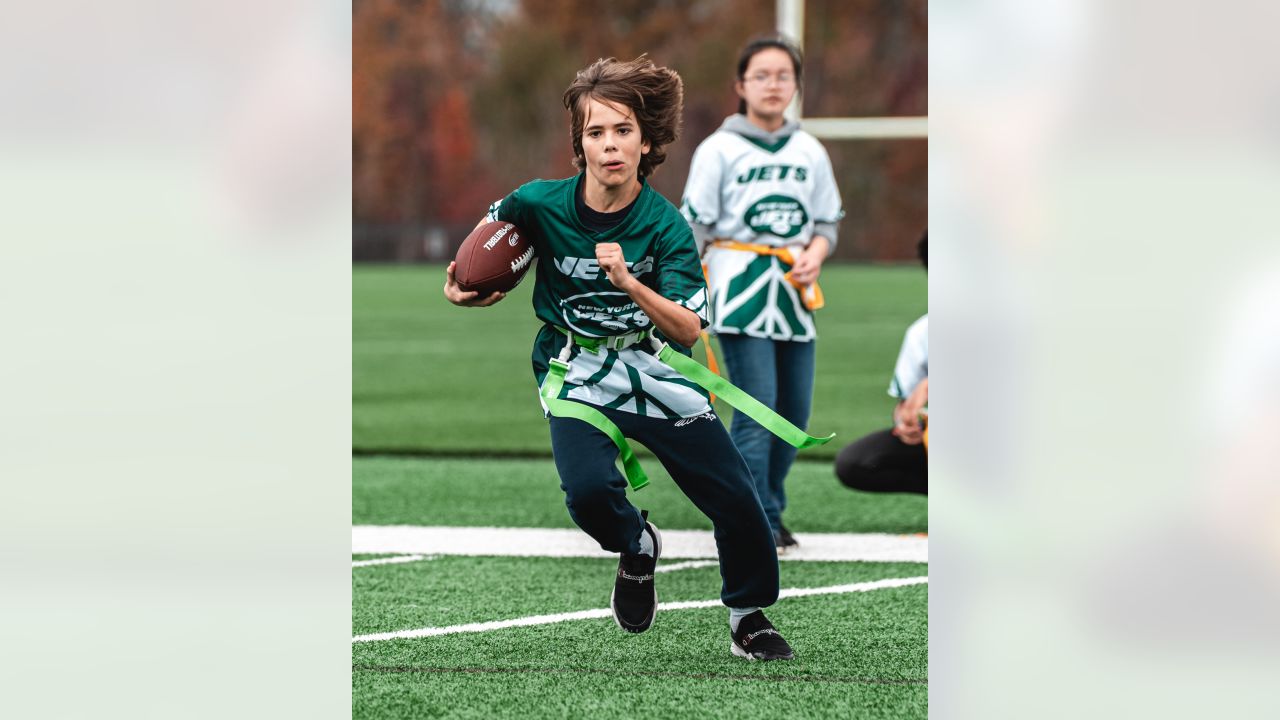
(493, 258)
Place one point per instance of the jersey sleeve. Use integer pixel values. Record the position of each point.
(508, 209)
(913, 360)
(827, 210)
(701, 204)
(680, 276)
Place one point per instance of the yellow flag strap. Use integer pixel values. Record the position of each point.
(810, 294)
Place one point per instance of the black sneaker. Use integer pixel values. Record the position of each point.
(635, 599)
(784, 540)
(756, 639)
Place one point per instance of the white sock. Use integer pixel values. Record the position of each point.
(736, 615)
(646, 542)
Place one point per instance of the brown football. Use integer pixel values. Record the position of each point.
(493, 258)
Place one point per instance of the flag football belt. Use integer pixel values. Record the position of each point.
(611, 342)
(691, 369)
(810, 295)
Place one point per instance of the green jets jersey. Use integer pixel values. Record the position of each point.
(572, 293)
(774, 189)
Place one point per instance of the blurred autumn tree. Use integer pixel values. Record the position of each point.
(413, 139)
(457, 102)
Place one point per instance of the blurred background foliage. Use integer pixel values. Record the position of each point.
(457, 102)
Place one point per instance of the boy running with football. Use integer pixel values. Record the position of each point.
(618, 276)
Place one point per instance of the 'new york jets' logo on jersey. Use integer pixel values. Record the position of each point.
(776, 215)
(597, 314)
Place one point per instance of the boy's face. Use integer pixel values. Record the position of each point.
(611, 144)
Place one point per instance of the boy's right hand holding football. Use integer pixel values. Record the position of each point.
(466, 298)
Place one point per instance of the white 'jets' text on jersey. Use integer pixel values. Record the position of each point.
(589, 268)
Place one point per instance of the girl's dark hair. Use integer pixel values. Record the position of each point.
(764, 43)
(655, 94)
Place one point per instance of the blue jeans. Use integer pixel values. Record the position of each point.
(778, 373)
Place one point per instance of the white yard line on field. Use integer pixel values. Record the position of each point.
(391, 560)
(605, 612)
(676, 544)
(687, 565)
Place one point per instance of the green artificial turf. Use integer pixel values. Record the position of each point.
(465, 589)
(526, 493)
(858, 654)
(431, 377)
(571, 693)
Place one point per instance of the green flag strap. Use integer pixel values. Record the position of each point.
(550, 392)
(593, 345)
(739, 400)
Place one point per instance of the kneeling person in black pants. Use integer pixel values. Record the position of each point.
(891, 460)
(897, 460)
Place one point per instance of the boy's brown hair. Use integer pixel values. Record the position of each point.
(654, 94)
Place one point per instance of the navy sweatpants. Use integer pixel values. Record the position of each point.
(703, 461)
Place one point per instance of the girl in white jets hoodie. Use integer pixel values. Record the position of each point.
(763, 204)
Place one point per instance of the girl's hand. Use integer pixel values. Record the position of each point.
(809, 264)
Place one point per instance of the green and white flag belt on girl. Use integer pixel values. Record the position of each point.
(688, 367)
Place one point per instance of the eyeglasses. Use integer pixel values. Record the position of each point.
(764, 78)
